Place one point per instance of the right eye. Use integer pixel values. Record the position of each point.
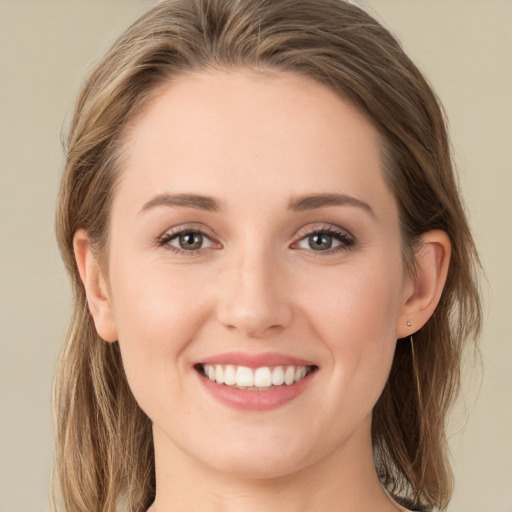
(186, 241)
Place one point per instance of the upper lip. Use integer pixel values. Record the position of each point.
(255, 360)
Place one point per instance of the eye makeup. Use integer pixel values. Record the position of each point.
(321, 240)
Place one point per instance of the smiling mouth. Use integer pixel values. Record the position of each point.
(254, 379)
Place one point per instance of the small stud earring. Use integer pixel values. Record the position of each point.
(409, 324)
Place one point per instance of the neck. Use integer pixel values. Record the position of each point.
(343, 481)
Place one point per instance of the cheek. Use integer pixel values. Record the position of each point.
(157, 314)
(362, 299)
(153, 302)
(355, 311)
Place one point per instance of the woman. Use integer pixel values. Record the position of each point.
(273, 273)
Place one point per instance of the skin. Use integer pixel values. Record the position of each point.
(256, 142)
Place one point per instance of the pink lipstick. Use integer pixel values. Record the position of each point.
(255, 382)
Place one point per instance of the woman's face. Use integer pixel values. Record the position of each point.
(254, 240)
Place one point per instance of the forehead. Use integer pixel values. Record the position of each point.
(248, 132)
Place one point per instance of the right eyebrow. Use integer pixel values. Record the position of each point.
(197, 201)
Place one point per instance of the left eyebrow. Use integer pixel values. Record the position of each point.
(314, 201)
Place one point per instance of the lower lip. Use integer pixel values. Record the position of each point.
(252, 400)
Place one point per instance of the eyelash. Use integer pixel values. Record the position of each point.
(346, 241)
(165, 239)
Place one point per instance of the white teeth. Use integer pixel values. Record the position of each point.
(230, 375)
(289, 375)
(244, 377)
(277, 376)
(219, 374)
(263, 377)
(300, 373)
(254, 378)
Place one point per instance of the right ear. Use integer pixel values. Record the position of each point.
(96, 290)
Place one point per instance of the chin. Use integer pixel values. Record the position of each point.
(265, 454)
(258, 467)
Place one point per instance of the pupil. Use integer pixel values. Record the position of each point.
(320, 241)
(189, 241)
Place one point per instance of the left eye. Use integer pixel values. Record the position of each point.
(324, 240)
(188, 240)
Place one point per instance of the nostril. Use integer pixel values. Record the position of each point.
(255, 320)
(253, 299)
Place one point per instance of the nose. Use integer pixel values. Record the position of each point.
(254, 299)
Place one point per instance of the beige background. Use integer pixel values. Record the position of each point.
(47, 47)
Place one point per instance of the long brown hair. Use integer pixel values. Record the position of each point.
(104, 454)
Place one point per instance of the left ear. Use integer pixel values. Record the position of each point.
(432, 260)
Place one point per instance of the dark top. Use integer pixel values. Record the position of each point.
(411, 506)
